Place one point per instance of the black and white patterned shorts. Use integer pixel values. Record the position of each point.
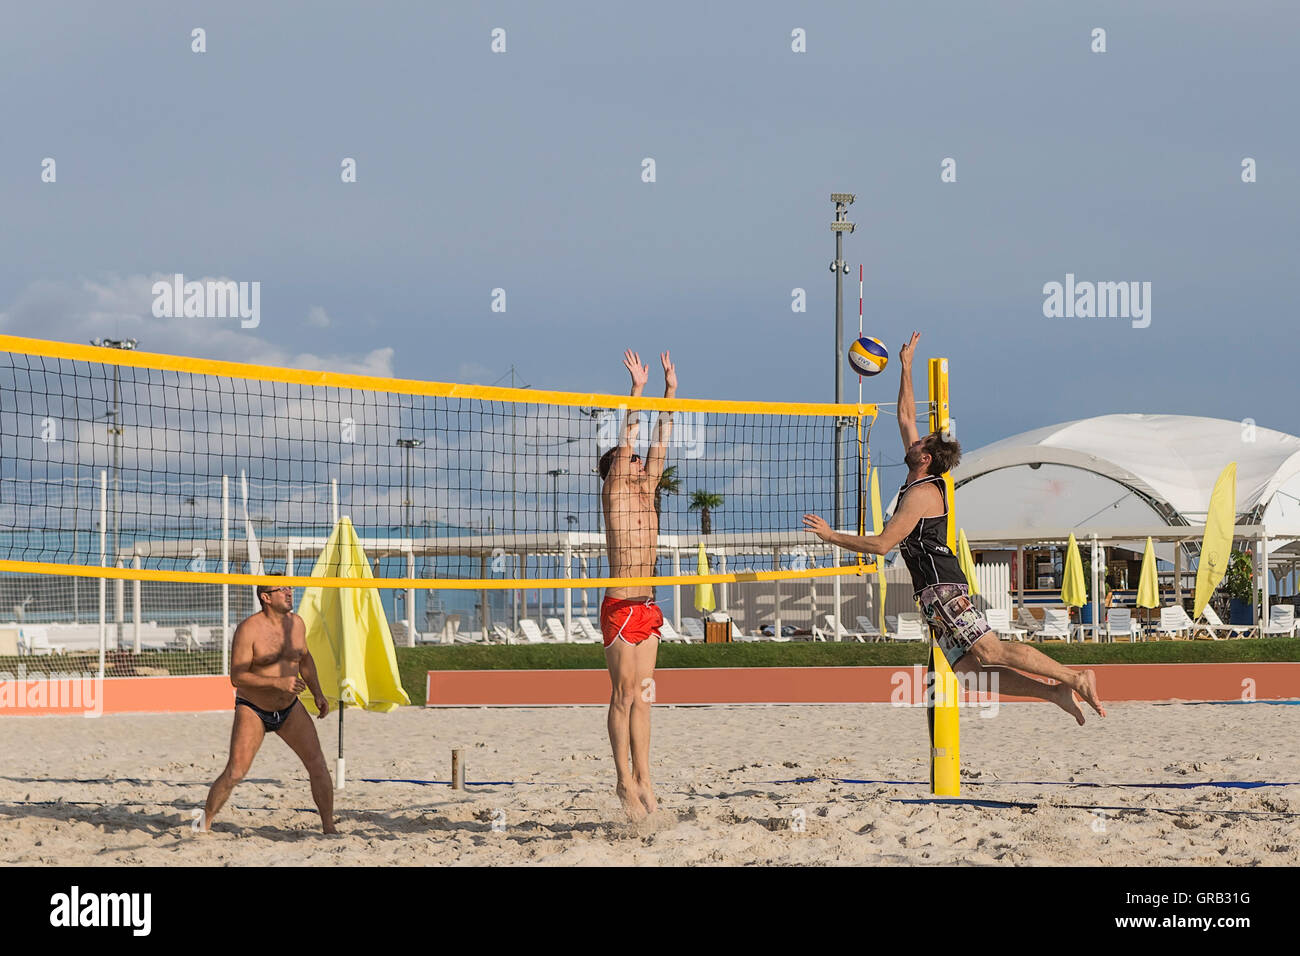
(955, 622)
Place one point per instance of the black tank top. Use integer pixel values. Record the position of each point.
(925, 549)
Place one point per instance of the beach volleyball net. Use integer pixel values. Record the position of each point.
(145, 495)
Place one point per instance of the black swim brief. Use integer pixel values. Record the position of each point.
(271, 719)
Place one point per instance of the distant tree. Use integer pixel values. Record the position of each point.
(705, 503)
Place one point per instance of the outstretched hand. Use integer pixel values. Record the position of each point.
(818, 526)
(670, 371)
(640, 373)
(908, 351)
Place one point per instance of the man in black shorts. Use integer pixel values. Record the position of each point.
(270, 666)
(920, 528)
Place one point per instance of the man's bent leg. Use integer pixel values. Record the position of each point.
(646, 653)
(992, 652)
(245, 738)
(298, 732)
(621, 659)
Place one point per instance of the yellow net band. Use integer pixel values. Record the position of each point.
(374, 383)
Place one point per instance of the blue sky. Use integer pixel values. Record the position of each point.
(522, 171)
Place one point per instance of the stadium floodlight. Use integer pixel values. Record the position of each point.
(842, 227)
(846, 198)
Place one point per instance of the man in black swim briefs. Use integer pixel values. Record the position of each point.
(270, 666)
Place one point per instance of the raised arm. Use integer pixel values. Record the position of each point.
(906, 398)
(640, 375)
(654, 463)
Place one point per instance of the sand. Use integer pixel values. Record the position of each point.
(125, 789)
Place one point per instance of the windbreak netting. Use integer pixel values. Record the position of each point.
(189, 467)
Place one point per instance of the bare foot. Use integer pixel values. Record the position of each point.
(648, 797)
(330, 828)
(1064, 699)
(1087, 689)
(630, 797)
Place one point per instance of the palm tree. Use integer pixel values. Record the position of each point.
(704, 502)
(669, 484)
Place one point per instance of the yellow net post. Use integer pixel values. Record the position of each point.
(945, 752)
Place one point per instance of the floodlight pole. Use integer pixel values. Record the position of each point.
(840, 226)
(115, 413)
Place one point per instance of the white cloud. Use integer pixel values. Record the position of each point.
(318, 318)
(79, 310)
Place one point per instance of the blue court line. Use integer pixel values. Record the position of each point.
(1226, 784)
(1202, 703)
(1021, 805)
(1223, 784)
(468, 783)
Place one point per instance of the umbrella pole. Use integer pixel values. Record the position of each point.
(339, 778)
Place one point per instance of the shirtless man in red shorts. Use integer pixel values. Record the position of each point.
(629, 619)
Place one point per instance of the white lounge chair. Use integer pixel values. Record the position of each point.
(450, 629)
(10, 642)
(1000, 621)
(844, 634)
(37, 640)
(738, 635)
(503, 633)
(1174, 622)
(1281, 621)
(1056, 624)
(555, 631)
(584, 632)
(1025, 618)
(1119, 620)
(669, 633)
(868, 627)
(1211, 621)
(911, 627)
(532, 634)
(693, 629)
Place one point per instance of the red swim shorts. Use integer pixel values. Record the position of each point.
(633, 620)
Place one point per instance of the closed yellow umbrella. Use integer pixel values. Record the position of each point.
(703, 592)
(348, 636)
(1148, 583)
(1073, 590)
(967, 562)
(1216, 546)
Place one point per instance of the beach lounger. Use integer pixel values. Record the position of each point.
(868, 627)
(693, 629)
(1281, 621)
(10, 639)
(844, 634)
(1025, 618)
(1211, 621)
(584, 632)
(669, 633)
(1056, 624)
(37, 640)
(1000, 621)
(532, 634)
(503, 633)
(555, 631)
